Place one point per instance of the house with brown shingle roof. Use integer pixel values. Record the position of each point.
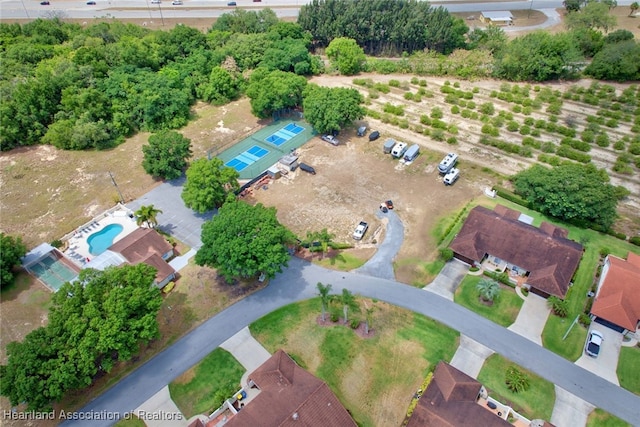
(290, 396)
(145, 245)
(451, 400)
(542, 256)
(617, 301)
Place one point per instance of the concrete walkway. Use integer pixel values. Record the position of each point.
(569, 410)
(448, 280)
(161, 411)
(470, 356)
(531, 318)
(381, 263)
(181, 261)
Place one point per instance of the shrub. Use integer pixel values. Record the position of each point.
(530, 142)
(425, 120)
(618, 145)
(446, 254)
(397, 110)
(584, 319)
(466, 113)
(611, 123)
(452, 140)
(354, 323)
(516, 380)
(456, 84)
(488, 108)
(455, 110)
(436, 113)
(451, 99)
(438, 135)
(569, 153)
(525, 130)
(635, 240)
(471, 105)
(559, 307)
(408, 96)
(473, 269)
(381, 87)
(554, 108)
(438, 124)
(57, 243)
(574, 143)
(414, 80)
(548, 147)
(453, 129)
(423, 83)
(394, 83)
(512, 126)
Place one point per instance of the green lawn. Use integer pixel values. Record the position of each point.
(203, 388)
(504, 310)
(373, 377)
(343, 261)
(600, 418)
(536, 402)
(131, 422)
(555, 328)
(629, 368)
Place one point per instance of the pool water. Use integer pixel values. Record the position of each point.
(101, 240)
(53, 272)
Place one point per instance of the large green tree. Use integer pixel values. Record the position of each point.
(244, 241)
(11, 250)
(94, 322)
(616, 61)
(166, 155)
(208, 183)
(571, 192)
(331, 109)
(272, 91)
(345, 55)
(594, 15)
(223, 87)
(539, 56)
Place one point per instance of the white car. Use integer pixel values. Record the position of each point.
(594, 342)
(330, 139)
(155, 2)
(360, 230)
(176, 2)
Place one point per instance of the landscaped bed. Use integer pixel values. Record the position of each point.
(374, 378)
(536, 402)
(503, 310)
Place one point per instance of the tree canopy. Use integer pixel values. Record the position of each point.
(616, 61)
(570, 192)
(166, 155)
(243, 241)
(94, 322)
(331, 109)
(346, 55)
(11, 250)
(208, 183)
(272, 91)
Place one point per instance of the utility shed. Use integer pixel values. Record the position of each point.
(501, 17)
(290, 161)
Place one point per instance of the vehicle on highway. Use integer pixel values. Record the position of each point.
(448, 163)
(156, 1)
(451, 176)
(45, 3)
(91, 3)
(231, 3)
(374, 135)
(360, 230)
(309, 169)
(594, 342)
(176, 2)
(330, 139)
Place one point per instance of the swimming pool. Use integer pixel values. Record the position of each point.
(101, 240)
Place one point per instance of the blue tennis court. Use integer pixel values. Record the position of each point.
(283, 135)
(247, 158)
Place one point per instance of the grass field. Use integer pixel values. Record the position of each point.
(203, 388)
(374, 378)
(629, 369)
(594, 242)
(131, 422)
(600, 418)
(343, 261)
(505, 307)
(536, 402)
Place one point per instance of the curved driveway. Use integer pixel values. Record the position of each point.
(298, 282)
(381, 263)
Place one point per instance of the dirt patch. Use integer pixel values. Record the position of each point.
(360, 331)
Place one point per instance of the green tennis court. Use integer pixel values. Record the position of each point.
(261, 150)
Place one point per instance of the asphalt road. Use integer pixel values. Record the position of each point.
(298, 282)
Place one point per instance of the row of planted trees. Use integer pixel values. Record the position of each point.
(346, 301)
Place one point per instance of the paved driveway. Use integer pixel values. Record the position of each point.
(606, 363)
(381, 264)
(161, 411)
(569, 410)
(470, 356)
(176, 219)
(298, 282)
(448, 280)
(531, 318)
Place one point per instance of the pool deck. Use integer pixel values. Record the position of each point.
(78, 248)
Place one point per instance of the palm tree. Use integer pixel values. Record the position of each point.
(324, 290)
(348, 302)
(488, 289)
(634, 6)
(147, 214)
(368, 319)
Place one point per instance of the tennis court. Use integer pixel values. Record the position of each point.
(259, 151)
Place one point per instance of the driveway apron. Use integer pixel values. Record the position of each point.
(470, 356)
(448, 280)
(249, 352)
(569, 410)
(531, 318)
(606, 364)
(161, 411)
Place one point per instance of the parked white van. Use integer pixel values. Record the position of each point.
(399, 149)
(412, 153)
(451, 177)
(448, 163)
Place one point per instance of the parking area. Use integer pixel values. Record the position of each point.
(606, 363)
